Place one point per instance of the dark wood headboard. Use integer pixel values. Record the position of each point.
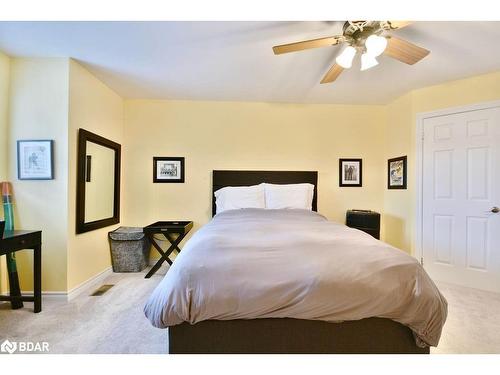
(222, 179)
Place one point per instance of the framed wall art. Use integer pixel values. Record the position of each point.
(396, 173)
(350, 172)
(168, 169)
(35, 160)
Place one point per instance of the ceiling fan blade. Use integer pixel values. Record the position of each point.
(332, 74)
(404, 51)
(306, 44)
(399, 24)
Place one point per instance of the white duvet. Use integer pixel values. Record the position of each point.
(261, 263)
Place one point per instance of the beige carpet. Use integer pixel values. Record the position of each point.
(111, 323)
(115, 323)
(473, 323)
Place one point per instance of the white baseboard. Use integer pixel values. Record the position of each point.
(76, 291)
(90, 283)
(52, 295)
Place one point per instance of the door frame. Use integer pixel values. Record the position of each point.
(419, 162)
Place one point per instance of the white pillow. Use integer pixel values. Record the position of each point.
(289, 196)
(236, 197)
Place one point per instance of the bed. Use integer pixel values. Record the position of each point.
(340, 290)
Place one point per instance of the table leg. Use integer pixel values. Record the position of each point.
(14, 289)
(164, 255)
(155, 268)
(160, 261)
(37, 277)
(172, 240)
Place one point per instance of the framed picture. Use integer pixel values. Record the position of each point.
(168, 169)
(35, 160)
(350, 172)
(396, 173)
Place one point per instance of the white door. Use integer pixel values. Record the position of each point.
(461, 190)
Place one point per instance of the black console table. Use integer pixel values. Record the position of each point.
(166, 228)
(16, 240)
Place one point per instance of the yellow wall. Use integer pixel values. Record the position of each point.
(401, 140)
(231, 135)
(38, 109)
(52, 98)
(215, 135)
(4, 106)
(96, 108)
(398, 141)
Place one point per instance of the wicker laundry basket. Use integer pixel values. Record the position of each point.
(129, 249)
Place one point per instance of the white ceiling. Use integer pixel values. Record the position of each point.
(234, 60)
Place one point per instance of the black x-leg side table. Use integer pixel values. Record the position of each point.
(167, 229)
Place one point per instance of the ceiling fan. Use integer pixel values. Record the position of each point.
(364, 37)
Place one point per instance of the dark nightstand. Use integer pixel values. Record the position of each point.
(365, 220)
(167, 229)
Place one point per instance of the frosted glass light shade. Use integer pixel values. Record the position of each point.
(375, 45)
(368, 61)
(346, 57)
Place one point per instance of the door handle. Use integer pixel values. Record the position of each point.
(495, 210)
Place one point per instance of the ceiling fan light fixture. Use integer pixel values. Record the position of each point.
(346, 57)
(375, 45)
(366, 37)
(368, 61)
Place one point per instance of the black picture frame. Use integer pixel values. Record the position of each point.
(341, 169)
(25, 175)
(82, 226)
(403, 159)
(158, 179)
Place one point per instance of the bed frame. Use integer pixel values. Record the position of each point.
(285, 335)
(293, 336)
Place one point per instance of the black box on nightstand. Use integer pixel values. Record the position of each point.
(365, 220)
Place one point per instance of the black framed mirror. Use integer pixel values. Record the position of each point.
(98, 182)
